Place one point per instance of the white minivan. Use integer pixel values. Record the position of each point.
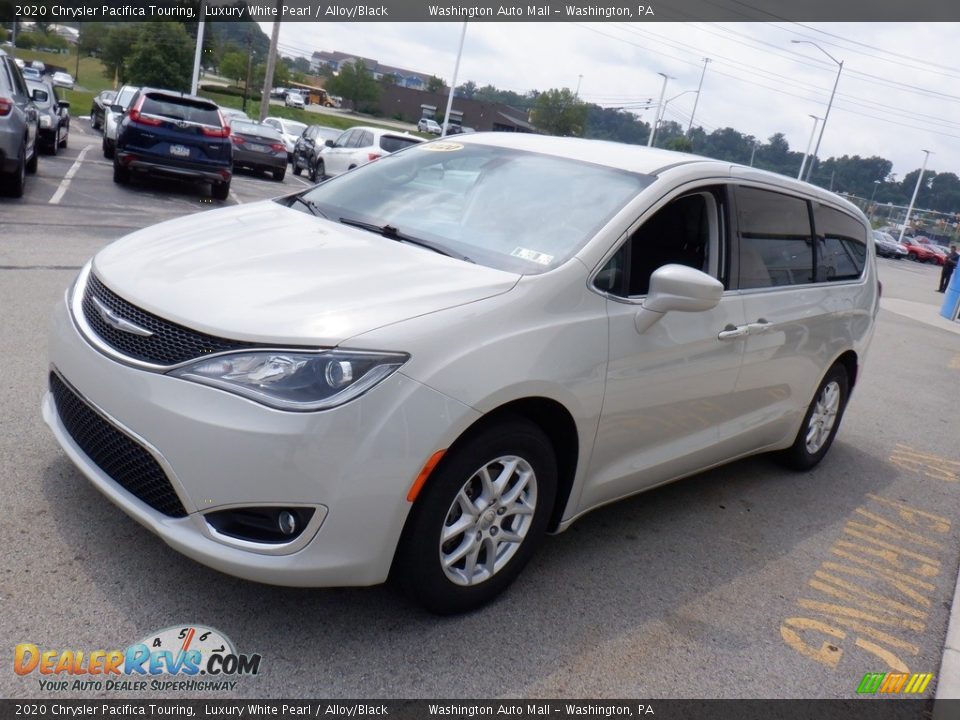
(418, 369)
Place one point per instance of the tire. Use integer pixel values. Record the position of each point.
(55, 145)
(317, 171)
(481, 562)
(13, 185)
(278, 175)
(31, 166)
(121, 175)
(107, 149)
(296, 167)
(220, 190)
(821, 421)
(65, 138)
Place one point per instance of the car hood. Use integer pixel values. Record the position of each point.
(267, 273)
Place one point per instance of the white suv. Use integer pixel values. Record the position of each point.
(358, 146)
(420, 367)
(294, 100)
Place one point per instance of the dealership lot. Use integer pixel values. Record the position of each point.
(800, 582)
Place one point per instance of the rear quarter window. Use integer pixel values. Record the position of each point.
(392, 143)
(841, 245)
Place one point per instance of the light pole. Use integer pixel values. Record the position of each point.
(579, 80)
(453, 83)
(876, 184)
(656, 122)
(829, 104)
(906, 220)
(809, 143)
(753, 152)
(699, 87)
(197, 53)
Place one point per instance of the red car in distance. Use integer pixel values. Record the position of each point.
(922, 250)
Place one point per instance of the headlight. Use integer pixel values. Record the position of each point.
(299, 381)
(45, 121)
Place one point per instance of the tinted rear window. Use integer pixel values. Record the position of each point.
(392, 143)
(841, 245)
(776, 242)
(181, 109)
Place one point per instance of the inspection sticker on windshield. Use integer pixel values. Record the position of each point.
(532, 255)
(442, 146)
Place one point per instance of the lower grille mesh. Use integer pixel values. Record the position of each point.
(121, 457)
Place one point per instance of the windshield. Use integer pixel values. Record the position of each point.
(125, 96)
(509, 209)
(294, 128)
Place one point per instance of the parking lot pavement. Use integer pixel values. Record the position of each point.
(799, 584)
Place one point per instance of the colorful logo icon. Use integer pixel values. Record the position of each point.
(893, 683)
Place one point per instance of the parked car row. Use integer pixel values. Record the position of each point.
(32, 117)
(351, 148)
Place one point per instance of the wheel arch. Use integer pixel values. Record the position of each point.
(851, 364)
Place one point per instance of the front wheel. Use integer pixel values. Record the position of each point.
(317, 171)
(821, 422)
(479, 519)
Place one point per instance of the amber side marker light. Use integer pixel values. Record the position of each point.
(424, 474)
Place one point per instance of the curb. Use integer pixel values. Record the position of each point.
(948, 680)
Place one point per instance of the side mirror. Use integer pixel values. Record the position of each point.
(38, 96)
(117, 109)
(328, 143)
(678, 288)
(65, 104)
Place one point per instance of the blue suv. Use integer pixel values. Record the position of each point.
(172, 134)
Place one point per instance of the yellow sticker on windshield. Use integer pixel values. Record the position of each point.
(441, 146)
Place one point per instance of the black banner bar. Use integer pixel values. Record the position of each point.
(872, 708)
(483, 11)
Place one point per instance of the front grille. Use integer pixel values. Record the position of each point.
(121, 457)
(170, 343)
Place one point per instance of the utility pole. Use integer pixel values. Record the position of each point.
(76, 75)
(809, 143)
(753, 152)
(906, 220)
(656, 122)
(697, 100)
(453, 83)
(271, 63)
(246, 84)
(198, 53)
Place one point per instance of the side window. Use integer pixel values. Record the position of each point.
(5, 82)
(841, 245)
(345, 139)
(19, 85)
(776, 243)
(686, 231)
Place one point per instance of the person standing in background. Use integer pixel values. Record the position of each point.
(949, 265)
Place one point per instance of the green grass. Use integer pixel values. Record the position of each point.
(91, 78)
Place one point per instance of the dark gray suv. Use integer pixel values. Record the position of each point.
(19, 128)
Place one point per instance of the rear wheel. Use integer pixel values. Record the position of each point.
(32, 162)
(107, 148)
(479, 519)
(278, 175)
(14, 184)
(317, 171)
(296, 166)
(821, 422)
(221, 190)
(121, 175)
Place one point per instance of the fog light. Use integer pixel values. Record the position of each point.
(287, 522)
(261, 524)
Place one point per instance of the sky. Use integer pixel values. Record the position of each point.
(898, 92)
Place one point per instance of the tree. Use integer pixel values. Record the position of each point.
(116, 48)
(434, 84)
(559, 112)
(355, 83)
(234, 66)
(679, 143)
(388, 79)
(467, 90)
(162, 56)
(92, 37)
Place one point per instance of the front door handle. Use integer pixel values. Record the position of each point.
(732, 332)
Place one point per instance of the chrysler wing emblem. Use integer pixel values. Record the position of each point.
(117, 322)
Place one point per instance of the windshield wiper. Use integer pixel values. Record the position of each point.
(310, 205)
(389, 231)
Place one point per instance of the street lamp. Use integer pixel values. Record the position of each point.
(829, 104)
(876, 184)
(906, 220)
(660, 106)
(809, 143)
(579, 80)
(699, 87)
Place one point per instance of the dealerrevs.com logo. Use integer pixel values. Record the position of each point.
(181, 658)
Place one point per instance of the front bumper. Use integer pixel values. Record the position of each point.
(354, 463)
